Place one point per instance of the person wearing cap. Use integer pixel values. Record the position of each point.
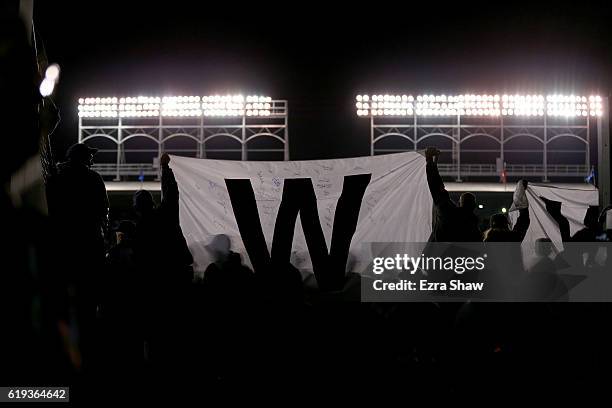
(78, 211)
(77, 199)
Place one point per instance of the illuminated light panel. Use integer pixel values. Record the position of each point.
(176, 106)
(479, 105)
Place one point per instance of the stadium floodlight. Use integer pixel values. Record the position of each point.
(479, 105)
(51, 78)
(174, 106)
(46, 87)
(52, 72)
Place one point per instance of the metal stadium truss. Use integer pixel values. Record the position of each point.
(185, 125)
(487, 135)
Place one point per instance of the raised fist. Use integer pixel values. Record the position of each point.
(431, 153)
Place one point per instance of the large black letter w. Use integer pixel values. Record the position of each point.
(299, 197)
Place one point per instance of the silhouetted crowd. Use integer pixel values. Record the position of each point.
(113, 310)
(122, 305)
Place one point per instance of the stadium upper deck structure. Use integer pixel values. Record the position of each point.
(548, 137)
(132, 132)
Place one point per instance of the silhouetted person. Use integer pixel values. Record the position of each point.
(121, 303)
(227, 278)
(30, 348)
(542, 281)
(120, 256)
(500, 231)
(159, 243)
(164, 263)
(604, 221)
(451, 222)
(575, 253)
(508, 259)
(78, 203)
(78, 207)
(605, 218)
(592, 229)
(230, 291)
(121, 277)
(589, 234)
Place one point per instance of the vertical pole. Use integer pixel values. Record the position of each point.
(501, 141)
(545, 145)
(603, 154)
(458, 147)
(201, 137)
(416, 132)
(587, 152)
(371, 134)
(160, 137)
(244, 146)
(117, 174)
(80, 129)
(286, 131)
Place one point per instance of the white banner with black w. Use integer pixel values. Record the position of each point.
(315, 214)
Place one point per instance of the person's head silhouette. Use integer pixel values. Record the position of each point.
(143, 201)
(499, 221)
(219, 247)
(81, 153)
(467, 201)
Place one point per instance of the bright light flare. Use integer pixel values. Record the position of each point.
(46, 87)
(48, 83)
(52, 72)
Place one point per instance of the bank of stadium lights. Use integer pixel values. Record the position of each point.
(176, 106)
(479, 105)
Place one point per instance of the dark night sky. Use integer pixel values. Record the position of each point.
(319, 57)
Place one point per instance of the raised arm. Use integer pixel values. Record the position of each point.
(434, 180)
(522, 222)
